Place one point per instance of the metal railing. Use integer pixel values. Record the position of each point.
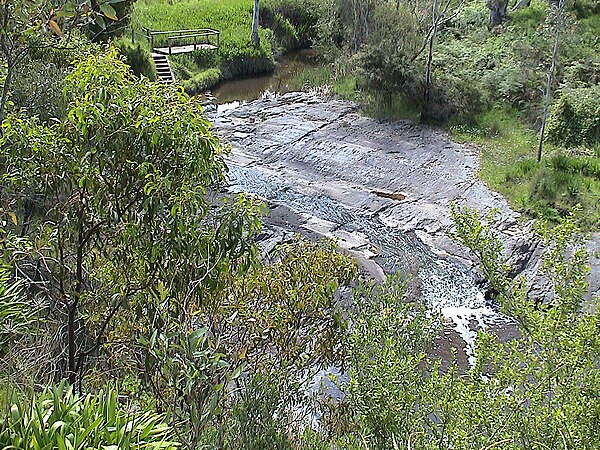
(197, 38)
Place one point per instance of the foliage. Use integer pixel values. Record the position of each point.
(280, 315)
(574, 118)
(533, 391)
(541, 378)
(59, 419)
(38, 80)
(259, 418)
(123, 182)
(17, 316)
(388, 339)
(233, 18)
(202, 81)
(193, 374)
(111, 18)
(384, 57)
(294, 22)
(288, 309)
(547, 190)
(137, 58)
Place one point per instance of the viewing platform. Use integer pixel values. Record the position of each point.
(182, 41)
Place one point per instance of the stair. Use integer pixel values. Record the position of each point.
(163, 68)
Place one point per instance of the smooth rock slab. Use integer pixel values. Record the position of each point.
(312, 148)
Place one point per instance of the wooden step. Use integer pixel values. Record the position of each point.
(163, 68)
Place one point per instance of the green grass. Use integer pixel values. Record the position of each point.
(233, 18)
(508, 165)
(345, 88)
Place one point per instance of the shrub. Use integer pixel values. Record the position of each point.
(574, 120)
(387, 341)
(259, 418)
(59, 419)
(202, 81)
(295, 20)
(284, 32)
(137, 57)
(16, 314)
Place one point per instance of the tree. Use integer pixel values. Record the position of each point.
(35, 25)
(117, 197)
(498, 12)
(440, 14)
(255, 20)
(557, 12)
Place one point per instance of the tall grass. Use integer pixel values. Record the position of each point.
(508, 165)
(233, 18)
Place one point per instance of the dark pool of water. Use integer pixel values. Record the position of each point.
(284, 79)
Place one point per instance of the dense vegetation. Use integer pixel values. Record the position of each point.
(136, 311)
(438, 62)
(404, 60)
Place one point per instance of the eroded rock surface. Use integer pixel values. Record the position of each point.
(383, 189)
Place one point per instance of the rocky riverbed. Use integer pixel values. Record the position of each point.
(383, 190)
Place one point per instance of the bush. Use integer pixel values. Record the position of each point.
(284, 32)
(59, 419)
(574, 120)
(137, 57)
(202, 81)
(16, 314)
(259, 418)
(387, 342)
(40, 76)
(294, 22)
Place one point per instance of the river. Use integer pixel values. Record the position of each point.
(285, 79)
(382, 189)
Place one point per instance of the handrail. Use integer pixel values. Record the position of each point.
(174, 35)
(188, 36)
(197, 30)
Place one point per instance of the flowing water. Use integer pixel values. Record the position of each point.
(446, 286)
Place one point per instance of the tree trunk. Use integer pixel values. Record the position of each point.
(550, 78)
(5, 89)
(435, 17)
(521, 4)
(498, 12)
(360, 31)
(255, 19)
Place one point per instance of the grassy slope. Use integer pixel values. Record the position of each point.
(508, 166)
(233, 18)
(510, 66)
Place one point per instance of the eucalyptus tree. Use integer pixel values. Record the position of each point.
(557, 16)
(255, 21)
(442, 11)
(116, 202)
(37, 25)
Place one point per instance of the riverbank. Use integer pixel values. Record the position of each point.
(285, 26)
(383, 190)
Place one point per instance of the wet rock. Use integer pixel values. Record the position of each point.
(382, 188)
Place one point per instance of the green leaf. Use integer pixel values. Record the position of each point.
(238, 371)
(109, 11)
